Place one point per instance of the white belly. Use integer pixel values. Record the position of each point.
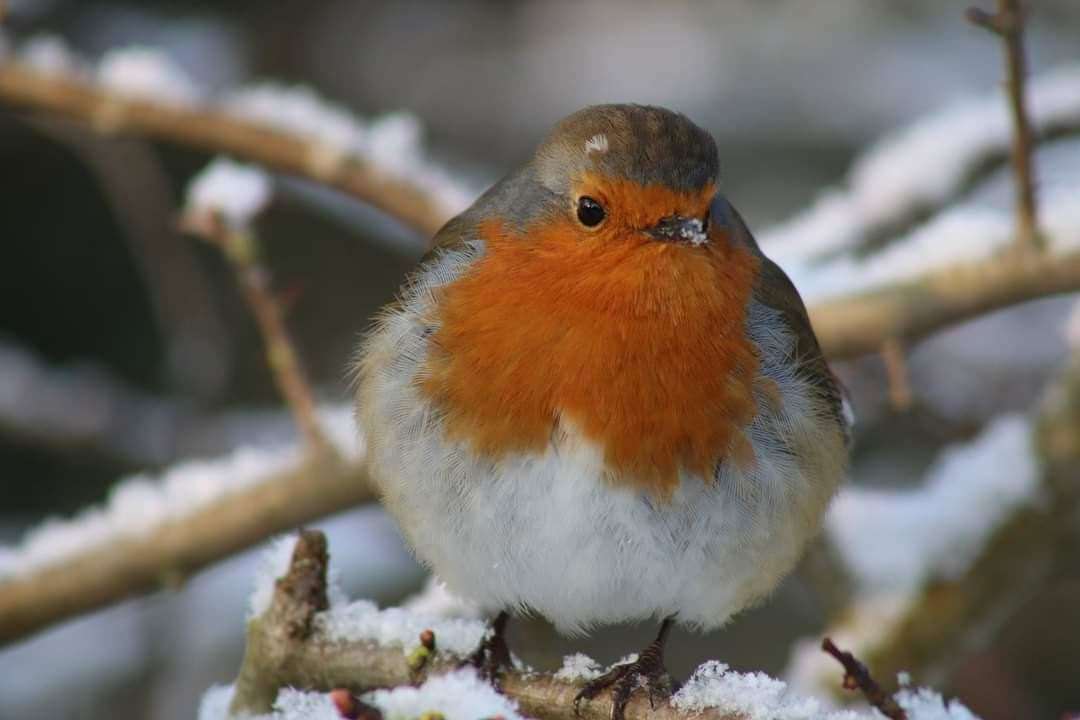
(547, 532)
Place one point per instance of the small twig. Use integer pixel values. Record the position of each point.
(1008, 24)
(858, 677)
(896, 370)
(239, 248)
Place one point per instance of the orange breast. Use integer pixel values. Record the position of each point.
(640, 345)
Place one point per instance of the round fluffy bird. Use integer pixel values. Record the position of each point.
(597, 400)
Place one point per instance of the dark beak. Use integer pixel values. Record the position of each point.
(683, 230)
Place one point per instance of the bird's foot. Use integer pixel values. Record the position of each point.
(646, 673)
(493, 654)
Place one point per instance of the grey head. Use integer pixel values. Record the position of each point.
(646, 144)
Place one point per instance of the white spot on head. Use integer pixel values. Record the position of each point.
(597, 143)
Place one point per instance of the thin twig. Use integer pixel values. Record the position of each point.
(239, 248)
(1008, 24)
(858, 677)
(896, 369)
(217, 132)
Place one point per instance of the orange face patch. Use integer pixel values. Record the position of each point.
(639, 344)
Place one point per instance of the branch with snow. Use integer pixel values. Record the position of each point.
(953, 269)
(284, 129)
(941, 568)
(221, 205)
(154, 532)
(307, 648)
(918, 170)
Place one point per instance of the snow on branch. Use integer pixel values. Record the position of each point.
(308, 648)
(942, 566)
(155, 531)
(285, 129)
(916, 171)
(954, 268)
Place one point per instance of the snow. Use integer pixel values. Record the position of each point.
(896, 540)
(393, 144)
(238, 192)
(893, 180)
(274, 564)
(138, 505)
(459, 695)
(362, 620)
(756, 696)
(1072, 327)
(48, 55)
(144, 73)
(958, 235)
(925, 704)
(578, 666)
(435, 600)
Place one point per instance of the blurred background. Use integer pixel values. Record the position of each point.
(145, 330)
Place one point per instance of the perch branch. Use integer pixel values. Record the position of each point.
(171, 552)
(283, 650)
(240, 248)
(1008, 24)
(909, 310)
(217, 132)
(858, 677)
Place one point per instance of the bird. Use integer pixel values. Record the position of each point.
(598, 401)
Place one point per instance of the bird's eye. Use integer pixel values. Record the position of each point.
(590, 212)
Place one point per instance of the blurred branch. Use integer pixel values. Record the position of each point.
(83, 408)
(239, 248)
(285, 650)
(214, 131)
(138, 192)
(1008, 24)
(950, 618)
(905, 311)
(168, 553)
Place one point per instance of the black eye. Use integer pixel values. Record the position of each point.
(590, 212)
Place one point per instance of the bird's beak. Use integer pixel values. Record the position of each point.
(682, 230)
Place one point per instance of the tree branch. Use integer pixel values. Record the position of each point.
(861, 323)
(217, 132)
(170, 552)
(1008, 24)
(239, 248)
(286, 649)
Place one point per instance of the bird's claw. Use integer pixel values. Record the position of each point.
(492, 655)
(647, 672)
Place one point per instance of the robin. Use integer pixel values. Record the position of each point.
(598, 401)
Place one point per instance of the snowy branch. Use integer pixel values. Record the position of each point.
(992, 526)
(890, 190)
(864, 322)
(154, 534)
(419, 197)
(305, 648)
